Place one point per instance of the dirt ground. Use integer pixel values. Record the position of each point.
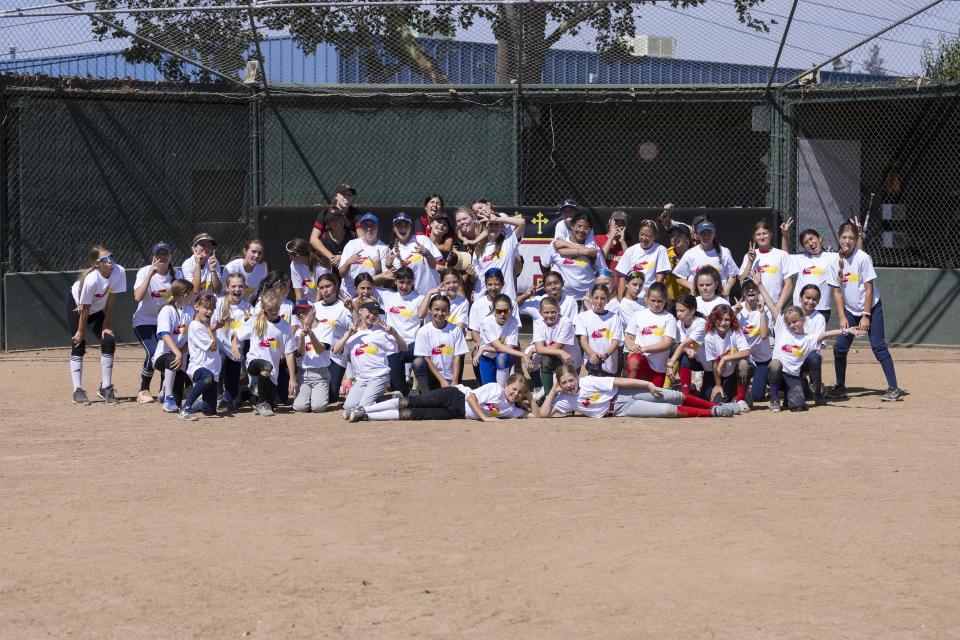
(124, 522)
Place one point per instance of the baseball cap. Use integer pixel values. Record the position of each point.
(402, 217)
(372, 306)
(200, 237)
(568, 204)
(161, 246)
(302, 305)
(706, 225)
(369, 217)
(619, 215)
(346, 188)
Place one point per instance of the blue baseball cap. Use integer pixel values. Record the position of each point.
(568, 204)
(369, 217)
(494, 272)
(161, 246)
(706, 225)
(402, 217)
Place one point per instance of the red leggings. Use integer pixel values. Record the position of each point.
(694, 407)
(639, 368)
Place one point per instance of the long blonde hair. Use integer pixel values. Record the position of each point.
(178, 289)
(270, 296)
(92, 257)
(225, 307)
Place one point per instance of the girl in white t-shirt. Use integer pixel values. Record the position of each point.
(364, 254)
(708, 253)
(202, 268)
(755, 321)
(439, 348)
(151, 290)
(498, 249)
(812, 266)
(332, 311)
(707, 283)
(205, 362)
(689, 355)
(499, 342)
(554, 341)
(767, 263)
(488, 403)
(314, 339)
(250, 265)
(170, 355)
(858, 300)
(234, 311)
(650, 335)
(415, 252)
(90, 301)
(600, 334)
(402, 308)
(530, 299)
(632, 300)
(367, 343)
(647, 257)
(450, 287)
(603, 396)
(724, 347)
(271, 341)
(306, 267)
(577, 261)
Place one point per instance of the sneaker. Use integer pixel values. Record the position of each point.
(80, 397)
(107, 395)
(836, 392)
(346, 414)
(819, 400)
(775, 406)
(188, 414)
(538, 395)
(264, 409)
(222, 407)
(800, 407)
(894, 394)
(161, 398)
(357, 415)
(144, 397)
(722, 411)
(198, 404)
(170, 405)
(743, 405)
(732, 407)
(396, 395)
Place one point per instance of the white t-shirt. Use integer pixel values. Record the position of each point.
(774, 265)
(368, 351)
(373, 255)
(309, 358)
(820, 270)
(199, 341)
(503, 260)
(251, 280)
(490, 330)
(480, 309)
(650, 261)
(401, 312)
(304, 279)
(760, 350)
(696, 258)
(424, 278)
(716, 345)
(594, 400)
(600, 330)
(158, 293)
(706, 306)
(96, 289)
(338, 318)
(815, 324)
(492, 401)
(649, 328)
(173, 322)
(568, 307)
(790, 349)
(560, 336)
(857, 272)
(441, 346)
(206, 276)
(277, 341)
(627, 309)
(578, 272)
(697, 332)
(240, 314)
(459, 311)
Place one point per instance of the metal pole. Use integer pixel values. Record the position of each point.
(4, 212)
(516, 148)
(861, 43)
(783, 41)
(256, 45)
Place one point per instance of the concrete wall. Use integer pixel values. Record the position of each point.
(921, 307)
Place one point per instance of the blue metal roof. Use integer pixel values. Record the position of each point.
(462, 62)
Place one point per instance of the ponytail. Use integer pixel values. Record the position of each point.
(92, 257)
(270, 296)
(178, 289)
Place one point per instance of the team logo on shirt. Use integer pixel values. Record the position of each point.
(180, 330)
(849, 277)
(442, 350)
(793, 349)
(308, 346)
(309, 284)
(814, 271)
(401, 310)
(643, 265)
(652, 330)
(493, 256)
(574, 262)
(330, 322)
(590, 399)
(766, 268)
(413, 257)
(602, 334)
(106, 292)
(365, 348)
(235, 324)
(751, 330)
(452, 318)
(368, 263)
(269, 343)
(491, 409)
(160, 293)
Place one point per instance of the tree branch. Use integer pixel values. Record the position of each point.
(582, 13)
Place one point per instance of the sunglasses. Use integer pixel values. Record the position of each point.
(500, 312)
(106, 258)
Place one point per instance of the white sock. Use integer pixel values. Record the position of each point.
(76, 371)
(392, 403)
(106, 370)
(384, 414)
(502, 376)
(168, 378)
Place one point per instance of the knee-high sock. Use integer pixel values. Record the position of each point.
(502, 376)
(693, 412)
(169, 375)
(76, 371)
(106, 369)
(386, 405)
(383, 414)
(690, 400)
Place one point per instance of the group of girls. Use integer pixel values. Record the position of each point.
(374, 317)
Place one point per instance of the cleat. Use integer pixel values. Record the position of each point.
(80, 397)
(144, 397)
(722, 411)
(894, 394)
(107, 395)
(357, 415)
(170, 405)
(775, 406)
(188, 414)
(264, 409)
(836, 392)
(743, 405)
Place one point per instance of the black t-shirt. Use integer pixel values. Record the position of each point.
(336, 248)
(350, 214)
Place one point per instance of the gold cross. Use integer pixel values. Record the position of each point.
(539, 220)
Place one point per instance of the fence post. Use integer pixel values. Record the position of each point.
(4, 213)
(783, 157)
(255, 165)
(516, 146)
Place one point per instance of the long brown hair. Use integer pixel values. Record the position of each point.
(92, 256)
(226, 306)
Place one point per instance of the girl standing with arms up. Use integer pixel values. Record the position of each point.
(498, 249)
(151, 290)
(858, 299)
(812, 266)
(91, 302)
(202, 268)
(770, 264)
(250, 265)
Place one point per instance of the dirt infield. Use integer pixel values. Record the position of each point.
(123, 522)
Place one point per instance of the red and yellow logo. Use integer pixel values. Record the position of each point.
(793, 349)
(602, 334)
(814, 271)
(442, 350)
(365, 348)
(491, 409)
(588, 400)
(269, 343)
(652, 330)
